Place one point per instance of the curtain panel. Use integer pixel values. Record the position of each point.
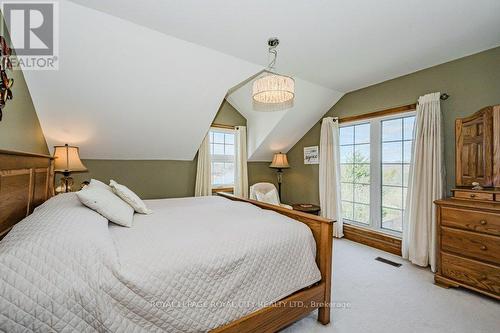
(425, 184)
(203, 186)
(329, 174)
(241, 174)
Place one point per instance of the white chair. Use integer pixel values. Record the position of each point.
(266, 192)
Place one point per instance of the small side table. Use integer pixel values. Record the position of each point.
(307, 208)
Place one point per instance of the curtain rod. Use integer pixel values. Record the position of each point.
(386, 112)
(222, 126)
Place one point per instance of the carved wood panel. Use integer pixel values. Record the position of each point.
(15, 194)
(26, 181)
(474, 148)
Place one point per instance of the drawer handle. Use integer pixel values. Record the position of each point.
(483, 222)
(472, 195)
(483, 248)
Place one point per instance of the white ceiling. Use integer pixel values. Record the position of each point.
(124, 91)
(341, 44)
(144, 79)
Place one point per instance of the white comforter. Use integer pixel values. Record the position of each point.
(193, 265)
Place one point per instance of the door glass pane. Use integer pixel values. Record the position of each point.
(407, 151)
(347, 210)
(392, 152)
(347, 191)
(362, 133)
(392, 197)
(392, 219)
(362, 193)
(346, 173)
(392, 130)
(346, 135)
(346, 154)
(218, 137)
(391, 174)
(229, 139)
(229, 149)
(361, 173)
(406, 173)
(362, 153)
(218, 149)
(408, 128)
(361, 213)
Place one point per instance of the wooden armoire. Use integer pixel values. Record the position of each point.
(468, 223)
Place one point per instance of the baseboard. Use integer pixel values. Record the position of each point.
(372, 238)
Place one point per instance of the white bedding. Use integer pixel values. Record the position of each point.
(192, 265)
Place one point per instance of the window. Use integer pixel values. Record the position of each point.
(374, 166)
(397, 136)
(223, 160)
(355, 172)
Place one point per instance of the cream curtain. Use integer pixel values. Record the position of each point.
(203, 185)
(241, 180)
(329, 174)
(425, 184)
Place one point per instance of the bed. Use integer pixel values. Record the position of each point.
(220, 264)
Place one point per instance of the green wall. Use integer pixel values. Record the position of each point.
(20, 129)
(165, 178)
(472, 82)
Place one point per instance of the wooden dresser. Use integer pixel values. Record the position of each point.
(469, 244)
(468, 223)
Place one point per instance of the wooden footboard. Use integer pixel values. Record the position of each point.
(298, 305)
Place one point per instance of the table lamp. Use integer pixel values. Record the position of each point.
(67, 161)
(279, 162)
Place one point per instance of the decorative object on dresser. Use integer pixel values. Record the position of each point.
(307, 208)
(67, 161)
(280, 162)
(468, 230)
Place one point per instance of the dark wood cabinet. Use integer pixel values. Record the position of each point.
(474, 148)
(468, 223)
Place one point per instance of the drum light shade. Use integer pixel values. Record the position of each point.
(273, 89)
(67, 159)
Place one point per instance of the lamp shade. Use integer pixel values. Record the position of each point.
(67, 159)
(280, 161)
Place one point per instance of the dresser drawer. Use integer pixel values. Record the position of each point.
(473, 273)
(472, 220)
(470, 244)
(474, 195)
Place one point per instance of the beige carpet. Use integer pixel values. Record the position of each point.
(383, 298)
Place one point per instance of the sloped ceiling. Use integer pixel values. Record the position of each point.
(144, 79)
(124, 91)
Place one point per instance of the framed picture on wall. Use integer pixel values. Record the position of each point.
(311, 155)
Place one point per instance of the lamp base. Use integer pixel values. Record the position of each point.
(279, 173)
(65, 185)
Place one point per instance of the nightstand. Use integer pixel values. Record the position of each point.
(307, 208)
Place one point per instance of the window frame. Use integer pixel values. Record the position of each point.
(222, 187)
(375, 219)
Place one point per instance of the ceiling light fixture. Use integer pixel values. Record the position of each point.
(273, 88)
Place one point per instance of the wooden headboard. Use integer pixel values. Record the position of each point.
(26, 181)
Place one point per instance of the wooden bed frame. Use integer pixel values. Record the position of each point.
(300, 304)
(27, 180)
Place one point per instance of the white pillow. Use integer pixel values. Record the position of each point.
(270, 197)
(129, 197)
(106, 203)
(99, 184)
